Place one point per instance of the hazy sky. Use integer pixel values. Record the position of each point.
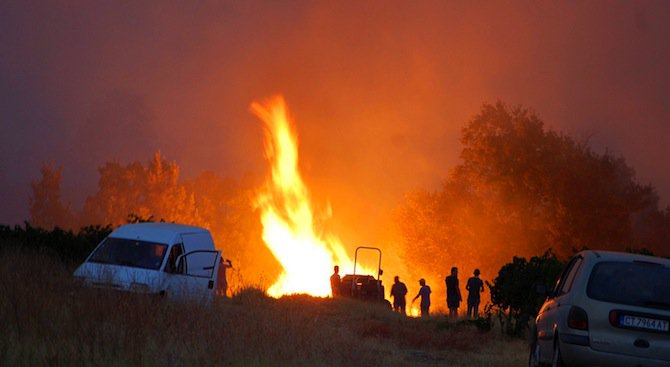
(379, 90)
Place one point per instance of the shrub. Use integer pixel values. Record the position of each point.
(515, 290)
(69, 247)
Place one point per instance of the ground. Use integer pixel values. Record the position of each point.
(47, 319)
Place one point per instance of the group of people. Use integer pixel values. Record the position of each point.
(474, 286)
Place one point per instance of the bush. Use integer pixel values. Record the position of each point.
(69, 247)
(515, 290)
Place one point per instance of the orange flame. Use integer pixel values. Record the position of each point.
(287, 216)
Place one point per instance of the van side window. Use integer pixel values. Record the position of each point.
(171, 266)
(565, 284)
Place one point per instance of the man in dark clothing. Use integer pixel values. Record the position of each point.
(424, 293)
(335, 282)
(398, 292)
(453, 293)
(474, 287)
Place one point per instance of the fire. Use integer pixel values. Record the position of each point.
(306, 255)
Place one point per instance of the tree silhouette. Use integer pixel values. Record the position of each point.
(46, 207)
(153, 191)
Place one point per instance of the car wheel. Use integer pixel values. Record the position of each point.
(557, 361)
(534, 355)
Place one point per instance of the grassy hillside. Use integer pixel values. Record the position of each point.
(46, 319)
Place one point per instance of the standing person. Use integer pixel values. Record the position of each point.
(474, 287)
(398, 292)
(335, 282)
(453, 293)
(424, 293)
(222, 282)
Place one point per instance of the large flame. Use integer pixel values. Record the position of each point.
(307, 257)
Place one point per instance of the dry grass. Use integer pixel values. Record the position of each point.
(46, 319)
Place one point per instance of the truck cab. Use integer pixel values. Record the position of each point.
(172, 260)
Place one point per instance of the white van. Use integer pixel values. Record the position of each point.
(172, 260)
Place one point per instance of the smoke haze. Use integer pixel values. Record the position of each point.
(379, 90)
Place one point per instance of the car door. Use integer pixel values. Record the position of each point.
(195, 277)
(548, 316)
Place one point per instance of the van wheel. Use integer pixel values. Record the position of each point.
(534, 355)
(557, 361)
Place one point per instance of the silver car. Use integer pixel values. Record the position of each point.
(608, 309)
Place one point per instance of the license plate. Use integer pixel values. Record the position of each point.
(644, 323)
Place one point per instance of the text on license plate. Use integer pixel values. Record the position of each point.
(644, 323)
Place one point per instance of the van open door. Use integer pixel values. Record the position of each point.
(196, 276)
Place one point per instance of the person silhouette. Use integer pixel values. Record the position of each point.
(475, 287)
(398, 292)
(335, 282)
(424, 293)
(453, 293)
(222, 282)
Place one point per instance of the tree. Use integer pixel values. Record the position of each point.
(547, 185)
(522, 189)
(46, 207)
(151, 192)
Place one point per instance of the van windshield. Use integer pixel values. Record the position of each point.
(133, 253)
(631, 283)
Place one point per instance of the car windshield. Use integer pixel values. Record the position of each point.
(631, 283)
(133, 253)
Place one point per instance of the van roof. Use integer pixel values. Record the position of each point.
(159, 232)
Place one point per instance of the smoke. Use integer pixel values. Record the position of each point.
(379, 91)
